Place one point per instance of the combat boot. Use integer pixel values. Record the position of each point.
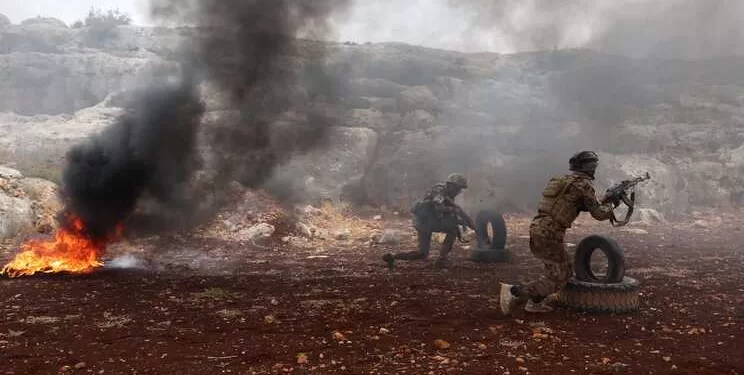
(538, 307)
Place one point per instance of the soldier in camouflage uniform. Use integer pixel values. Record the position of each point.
(562, 200)
(437, 212)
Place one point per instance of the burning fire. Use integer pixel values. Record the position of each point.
(70, 250)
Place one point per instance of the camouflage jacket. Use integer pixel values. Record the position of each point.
(566, 196)
(440, 197)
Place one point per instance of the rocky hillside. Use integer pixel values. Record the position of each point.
(411, 115)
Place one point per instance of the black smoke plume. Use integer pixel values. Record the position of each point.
(148, 151)
(278, 90)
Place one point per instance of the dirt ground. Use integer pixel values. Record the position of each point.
(206, 306)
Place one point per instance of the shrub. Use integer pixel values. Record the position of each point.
(102, 26)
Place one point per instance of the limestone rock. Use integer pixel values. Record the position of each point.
(376, 87)
(342, 234)
(258, 231)
(10, 173)
(418, 97)
(16, 216)
(390, 237)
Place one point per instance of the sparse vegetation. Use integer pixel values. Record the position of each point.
(112, 18)
(102, 26)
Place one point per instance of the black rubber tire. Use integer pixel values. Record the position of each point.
(590, 297)
(490, 255)
(615, 259)
(496, 219)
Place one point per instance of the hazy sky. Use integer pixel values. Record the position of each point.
(424, 22)
(685, 28)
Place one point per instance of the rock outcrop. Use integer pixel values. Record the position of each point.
(412, 115)
(26, 204)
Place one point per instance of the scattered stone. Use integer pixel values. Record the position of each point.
(377, 217)
(390, 237)
(342, 234)
(441, 344)
(261, 230)
(310, 211)
(648, 216)
(80, 365)
(306, 230)
(301, 358)
(634, 230)
(10, 173)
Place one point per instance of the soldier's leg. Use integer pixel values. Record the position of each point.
(424, 243)
(557, 272)
(449, 242)
(547, 246)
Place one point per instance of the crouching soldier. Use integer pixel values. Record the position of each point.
(436, 213)
(562, 200)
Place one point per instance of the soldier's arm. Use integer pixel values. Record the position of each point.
(599, 211)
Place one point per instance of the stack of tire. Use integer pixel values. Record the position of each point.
(491, 248)
(612, 293)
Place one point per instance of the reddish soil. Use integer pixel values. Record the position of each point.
(206, 313)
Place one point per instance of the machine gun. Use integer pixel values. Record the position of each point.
(619, 193)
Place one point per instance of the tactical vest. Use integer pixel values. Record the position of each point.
(555, 203)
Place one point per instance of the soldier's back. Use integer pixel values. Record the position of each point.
(560, 203)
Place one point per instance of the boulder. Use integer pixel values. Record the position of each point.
(647, 217)
(390, 237)
(258, 231)
(342, 234)
(16, 216)
(10, 173)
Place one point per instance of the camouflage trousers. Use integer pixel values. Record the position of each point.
(546, 244)
(426, 226)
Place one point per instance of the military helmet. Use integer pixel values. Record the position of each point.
(584, 161)
(458, 180)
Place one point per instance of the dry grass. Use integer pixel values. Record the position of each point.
(337, 224)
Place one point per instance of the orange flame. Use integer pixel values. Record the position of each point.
(70, 250)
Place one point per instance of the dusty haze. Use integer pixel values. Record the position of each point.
(666, 28)
(413, 115)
